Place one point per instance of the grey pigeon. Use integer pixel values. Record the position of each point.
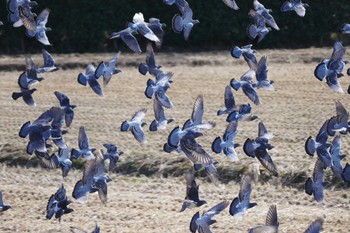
(18, 9)
(185, 22)
(112, 154)
(90, 77)
(265, 13)
(26, 95)
(58, 204)
(94, 180)
(247, 85)
(30, 76)
(107, 69)
(157, 27)
(150, 65)
(160, 121)
(142, 27)
(338, 123)
(158, 89)
(296, 5)
(192, 197)
(66, 107)
(3, 207)
(49, 63)
(202, 222)
(227, 143)
(336, 157)
(230, 103)
(315, 226)
(261, 75)
(240, 204)
(248, 54)
(64, 161)
(41, 29)
(242, 114)
(315, 185)
(271, 223)
(231, 3)
(258, 28)
(127, 36)
(84, 150)
(135, 126)
(345, 28)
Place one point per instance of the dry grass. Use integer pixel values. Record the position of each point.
(293, 112)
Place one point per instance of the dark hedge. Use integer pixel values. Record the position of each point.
(84, 25)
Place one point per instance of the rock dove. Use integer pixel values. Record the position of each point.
(295, 5)
(346, 173)
(141, 27)
(49, 63)
(271, 223)
(185, 22)
(94, 179)
(229, 100)
(192, 197)
(242, 203)
(159, 88)
(18, 9)
(150, 65)
(338, 123)
(202, 222)
(135, 126)
(90, 77)
(157, 27)
(3, 207)
(261, 75)
(26, 95)
(30, 74)
(128, 38)
(160, 121)
(247, 85)
(107, 69)
(315, 226)
(66, 107)
(315, 185)
(336, 157)
(227, 143)
(247, 53)
(231, 3)
(58, 204)
(84, 150)
(41, 29)
(258, 148)
(113, 155)
(265, 13)
(345, 28)
(258, 28)
(243, 114)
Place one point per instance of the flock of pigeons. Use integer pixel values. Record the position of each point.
(49, 127)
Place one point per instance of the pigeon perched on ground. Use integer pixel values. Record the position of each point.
(107, 69)
(271, 223)
(112, 154)
(94, 179)
(78, 230)
(49, 63)
(3, 207)
(160, 121)
(66, 107)
(201, 223)
(258, 148)
(41, 29)
(58, 204)
(295, 5)
(90, 77)
(242, 203)
(84, 150)
(315, 226)
(135, 126)
(315, 185)
(227, 143)
(192, 197)
(185, 22)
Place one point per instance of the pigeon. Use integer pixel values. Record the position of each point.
(113, 155)
(18, 9)
(49, 63)
(128, 38)
(345, 28)
(192, 197)
(295, 5)
(157, 27)
(336, 157)
(227, 143)
(26, 95)
(265, 13)
(261, 75)
(242, 203)
(84, 150)
(315, 226)
(30, 76)
(338, 123)
(258, 148)
(231, 3)
(202, 222)
(139, 25)
(135, 126)
(185, 22)
(159, 88)
(150, 65)
(247, 53)
(229, 100)
(247, 85)
(271, 224)
(90, 77)
(243, 114)
(160, 121)
(179, 3)
(258, 28)
(66, 107)
(3, 207)
(41, 29)
(58, 204)
(78, 230)
(315, 185)
(94, 179)
(107, 69)
(346, 173)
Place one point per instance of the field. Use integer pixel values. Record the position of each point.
(146, 192)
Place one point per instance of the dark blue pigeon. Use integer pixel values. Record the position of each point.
(160, 121)
(315, 185)
(58, 204)
(107, 69)
(185, 22)
(248, 54)
(84, 150)
(90, 77)
(113, 155)
(315, 226)
(243, 114)
(66, 107)
(296, 5)
(227, 143)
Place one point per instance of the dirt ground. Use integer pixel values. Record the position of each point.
(138, 203)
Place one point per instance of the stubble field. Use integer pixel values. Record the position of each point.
(146, 192)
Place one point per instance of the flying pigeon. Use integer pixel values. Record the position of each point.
(66, 107)
(247, 85)
(90, 77)
(315, 226)
(40, 30)
(296, 5)
(271, 223)
(315, 185)
(185, 22)
(113, 155)
(231, 3)
(227, 143)
(107, 69)
(135, 126)
(58, 204)
(3, 207)
(49, 63)
(160, 121)
(84, 150)
(248, 54)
